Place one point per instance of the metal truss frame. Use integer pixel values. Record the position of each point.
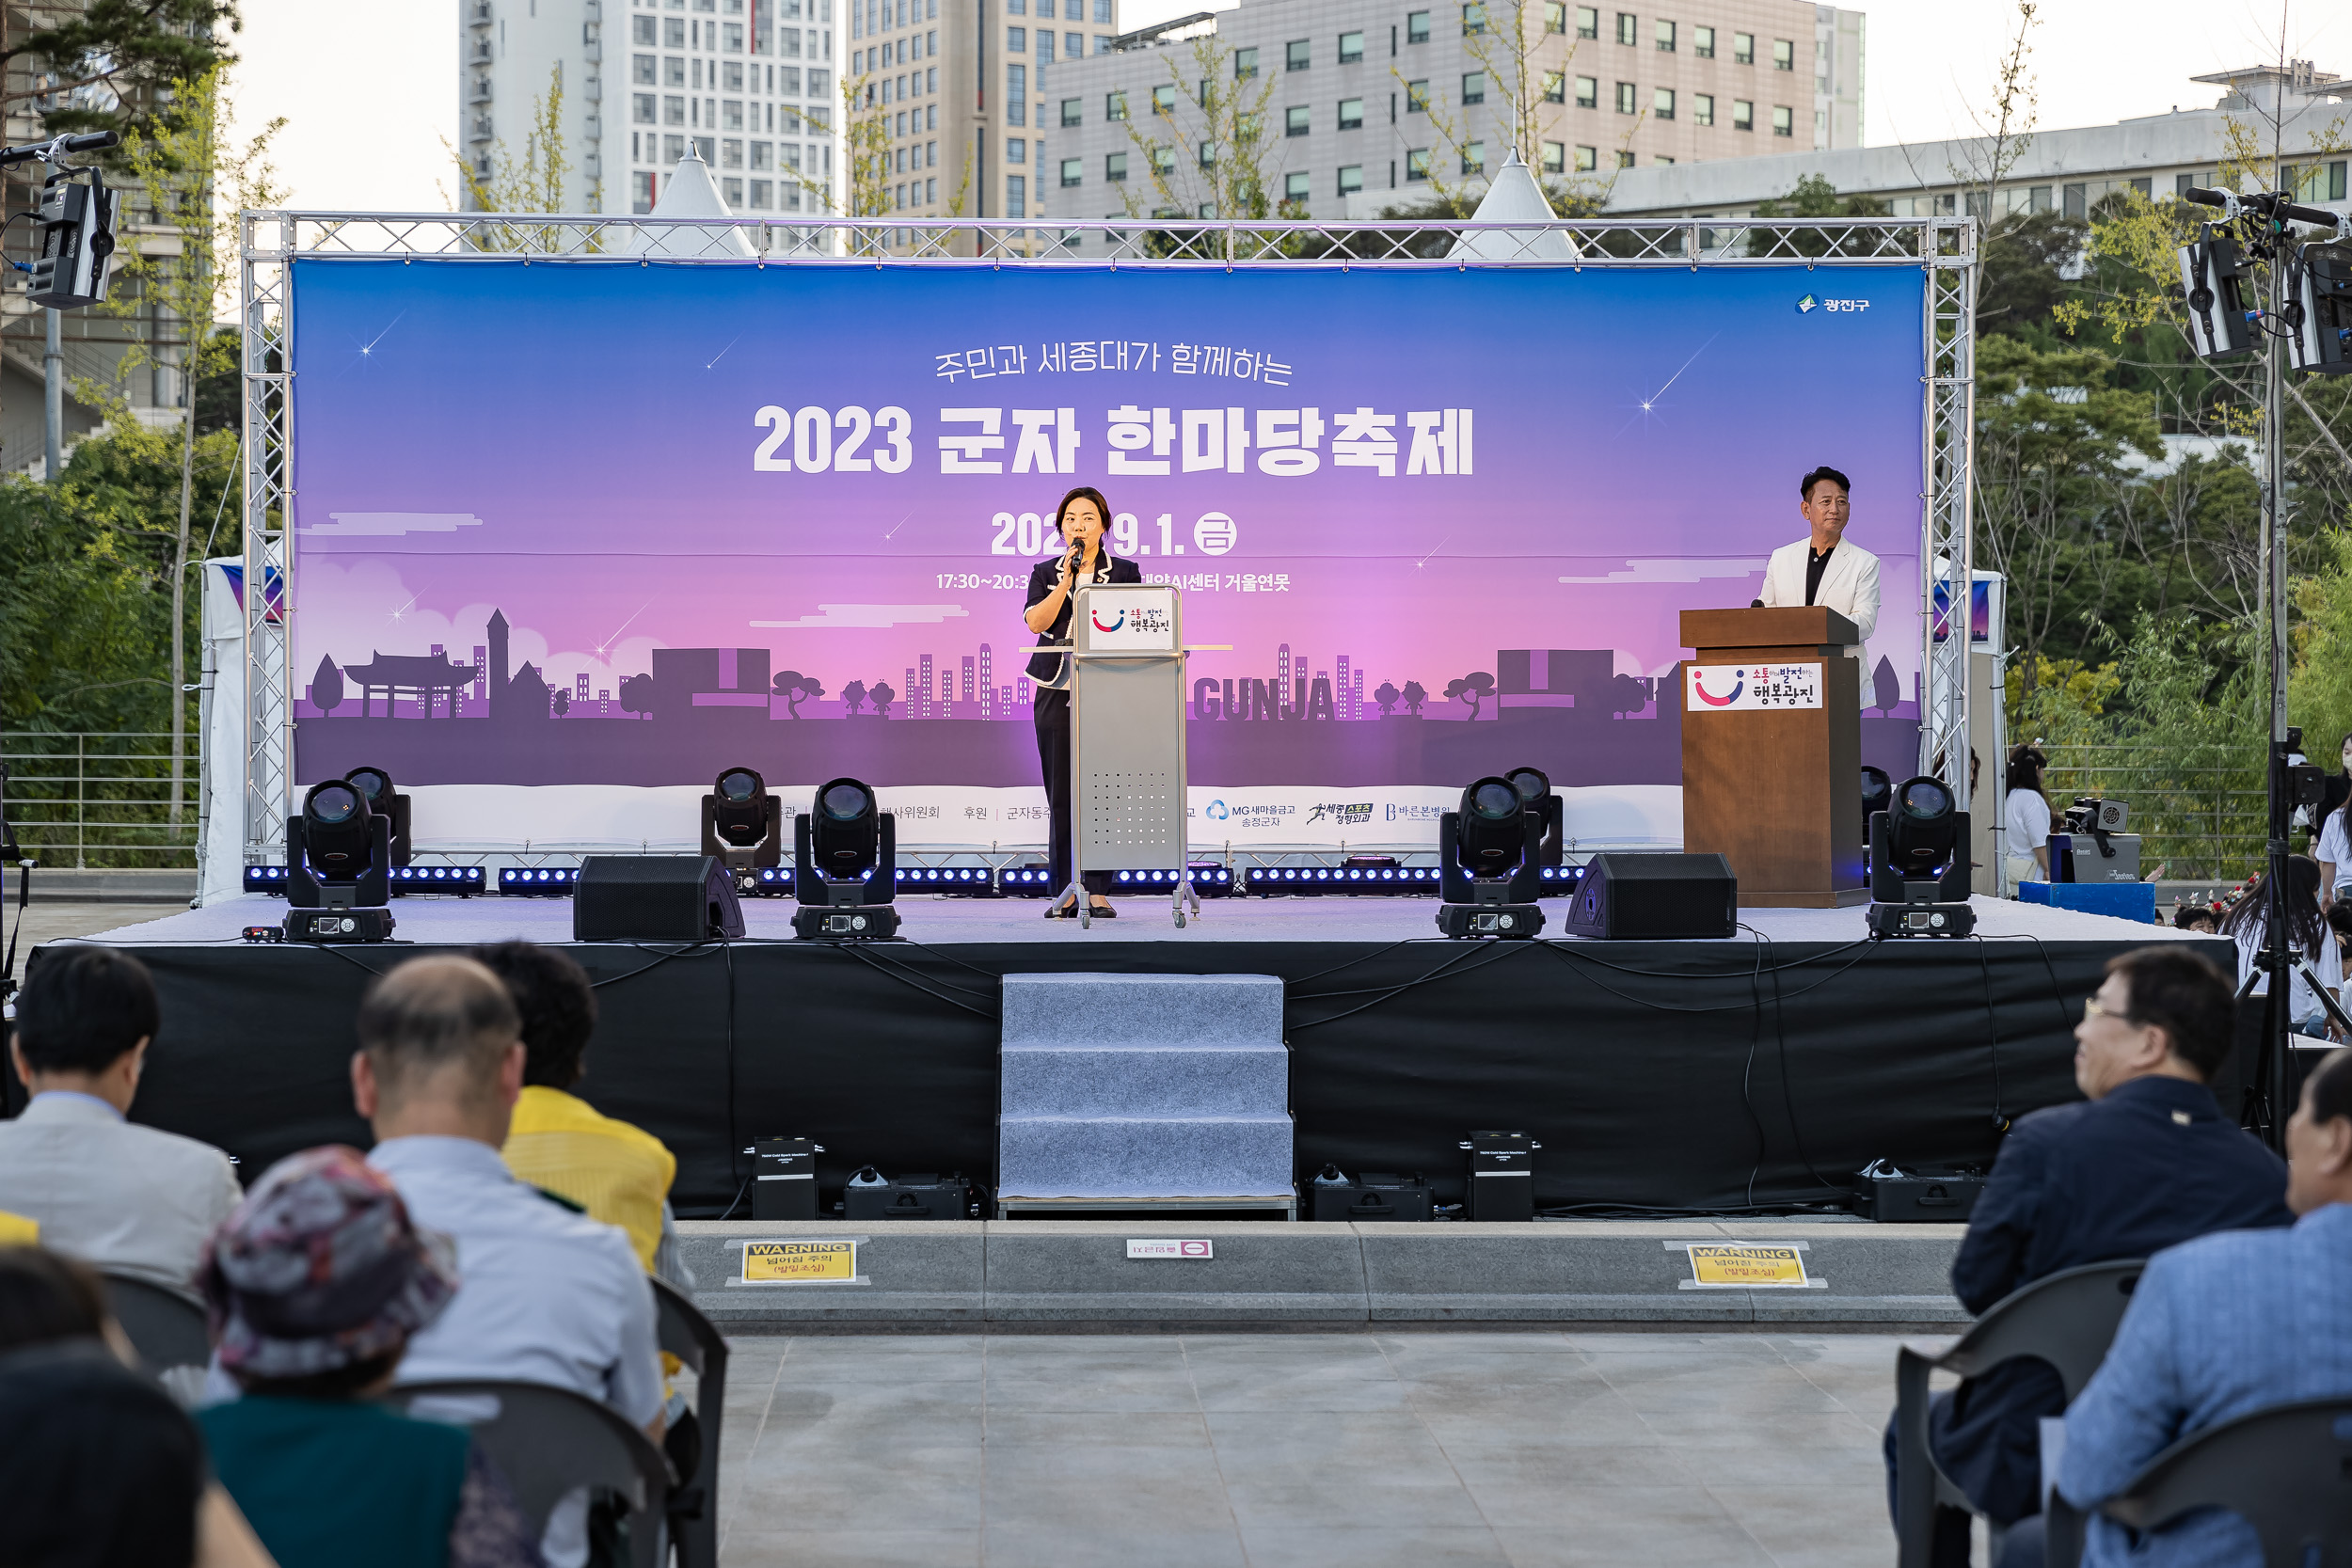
(1944, 248)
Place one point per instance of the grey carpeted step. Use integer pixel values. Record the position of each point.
(1144, 1157)
(1146, 1081)
(1112, 1011)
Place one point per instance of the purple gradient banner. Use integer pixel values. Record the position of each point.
(606, 522)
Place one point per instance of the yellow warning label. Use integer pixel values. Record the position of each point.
(1747, 1267)
(791, 1262)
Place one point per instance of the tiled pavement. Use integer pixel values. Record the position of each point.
(1527, 1450)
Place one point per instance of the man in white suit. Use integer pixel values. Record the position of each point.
(1823, 569)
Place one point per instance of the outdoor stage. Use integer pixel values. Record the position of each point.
(1667, 1074)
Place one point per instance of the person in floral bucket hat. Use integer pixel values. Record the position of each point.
(314, 1286)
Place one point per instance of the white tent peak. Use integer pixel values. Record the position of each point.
(691, 193)
(1514, 196)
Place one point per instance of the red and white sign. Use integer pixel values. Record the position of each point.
(1168, 1248)
(1745, 687)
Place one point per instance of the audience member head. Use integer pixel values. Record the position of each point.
(113, 1472)
(2319, 1137)
(2199, 917)
(2306, 926)
(2162, 1011)
(83, 1021)
(45, 1298)
(441, 1052)
(316, 1282)
(558, 1008)
(2026, 764)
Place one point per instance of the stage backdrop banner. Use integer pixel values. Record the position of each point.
(605, 523)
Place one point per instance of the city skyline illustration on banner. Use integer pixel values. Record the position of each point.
(606, 522)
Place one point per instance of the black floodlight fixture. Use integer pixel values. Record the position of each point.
(386, 800)
(1919, 867)
(743, 826)
(2319, 279)
(1490, 863)
(1877, 790)
(844, 864)
(339, 857)
(2215, 277)
(1535, 787)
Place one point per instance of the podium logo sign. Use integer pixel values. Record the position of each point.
(1745, 687)
(1136, 620)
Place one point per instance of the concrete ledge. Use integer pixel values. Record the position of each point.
(963, 1274)
(70, 885)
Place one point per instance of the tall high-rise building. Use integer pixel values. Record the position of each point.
(1343, 695)
(929, 712)
(1366, 107)
(987, 675)
(751, 83)
(970, 669)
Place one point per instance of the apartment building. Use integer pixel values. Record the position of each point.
(1369, 104)
(2068, 171)
(751, 84)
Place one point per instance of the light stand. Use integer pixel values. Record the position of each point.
(2261, 219)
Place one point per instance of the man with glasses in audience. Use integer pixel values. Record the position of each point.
(2145, 1161)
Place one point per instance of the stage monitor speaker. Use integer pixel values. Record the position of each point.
(654, 898)
(1654, 896)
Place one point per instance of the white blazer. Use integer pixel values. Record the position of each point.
(1850, 584)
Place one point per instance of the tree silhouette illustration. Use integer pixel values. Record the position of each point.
(796, 688)
(563, 701)
(637, 695)
(1886, 687)
(326, 686)
(1471, 689)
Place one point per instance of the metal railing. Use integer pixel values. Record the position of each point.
(86, 799)
(2199, 815)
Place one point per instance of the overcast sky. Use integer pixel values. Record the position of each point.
(369, 92)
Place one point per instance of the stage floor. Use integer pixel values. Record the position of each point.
(934, 920)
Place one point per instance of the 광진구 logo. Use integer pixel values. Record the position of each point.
(1806, 303)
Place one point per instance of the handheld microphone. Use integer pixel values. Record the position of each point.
(1756, 604)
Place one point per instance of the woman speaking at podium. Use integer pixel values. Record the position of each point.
(1080, 520)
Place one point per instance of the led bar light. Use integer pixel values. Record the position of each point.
(460, 880)
(265, 878)
(537, 881)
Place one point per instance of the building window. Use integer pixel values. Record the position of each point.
(731, 37)
(674, 111)
(1295, 187)
(1625, 27)
(1207, 155)
(1114, 167)
(1587, 93)
(1555, 157)
(763, 195)
(2077, 202)
(1016, 95)
(1625, 159)
(1587, 159)
(1072, 172)
(1784, 55)
(2038, 200)
(732, 189)
(1415, 98)
(1417, 27)
(1244, 64)
(1351, 179)
(930, 193)
(732, 77)
(1662, 104)
(763, 156)
(1784, 123)
(1017, 39)
(1555, 16)
(642, 70)
(1016, 196)
(1114, 106)
(673, 32)
(1702, 108)
(641, 109)
(1742, 115)
(1625, 98)
(641, 194)
(1665, 37)
(641, 31)
(1473, 86)
(1163, 160)
(673, 72)
(1702, 42)
(1474, 19)
(1416, 164)
(1474, 157)
(1743, 49)
(1351, 48)
(1163, 99)
(1555, 87)
(1074, 111)
(1295, 122)
(673, 148)
(1588, 22)
(731, 114)
(1295, 54)
(1102, 13)
(730, 153)
(1016, 149)
(1351, 114)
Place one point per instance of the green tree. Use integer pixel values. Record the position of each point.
(110, 65)
(1815, 198)
(1204, 152)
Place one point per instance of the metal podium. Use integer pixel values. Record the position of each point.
(1127, 739)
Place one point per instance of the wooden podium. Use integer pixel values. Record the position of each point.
(1772, 753)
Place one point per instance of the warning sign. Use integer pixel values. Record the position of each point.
(1746, 1268)
(799, 1262)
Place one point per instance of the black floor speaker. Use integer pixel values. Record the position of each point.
(1654, 896)
(654, 898)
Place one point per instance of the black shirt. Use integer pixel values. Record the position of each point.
(1816, 562)
(1108, 568)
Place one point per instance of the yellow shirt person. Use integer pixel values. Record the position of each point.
(619, 1173)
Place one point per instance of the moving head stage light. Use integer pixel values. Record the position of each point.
(845, 858)
(385, 800)
(1877, 791)
(1535, 787)
(338, 858)
(1919, 864)
(2319, 286)
(1490, 868)
(77, 223)
(2214, 275)
(743, 826)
